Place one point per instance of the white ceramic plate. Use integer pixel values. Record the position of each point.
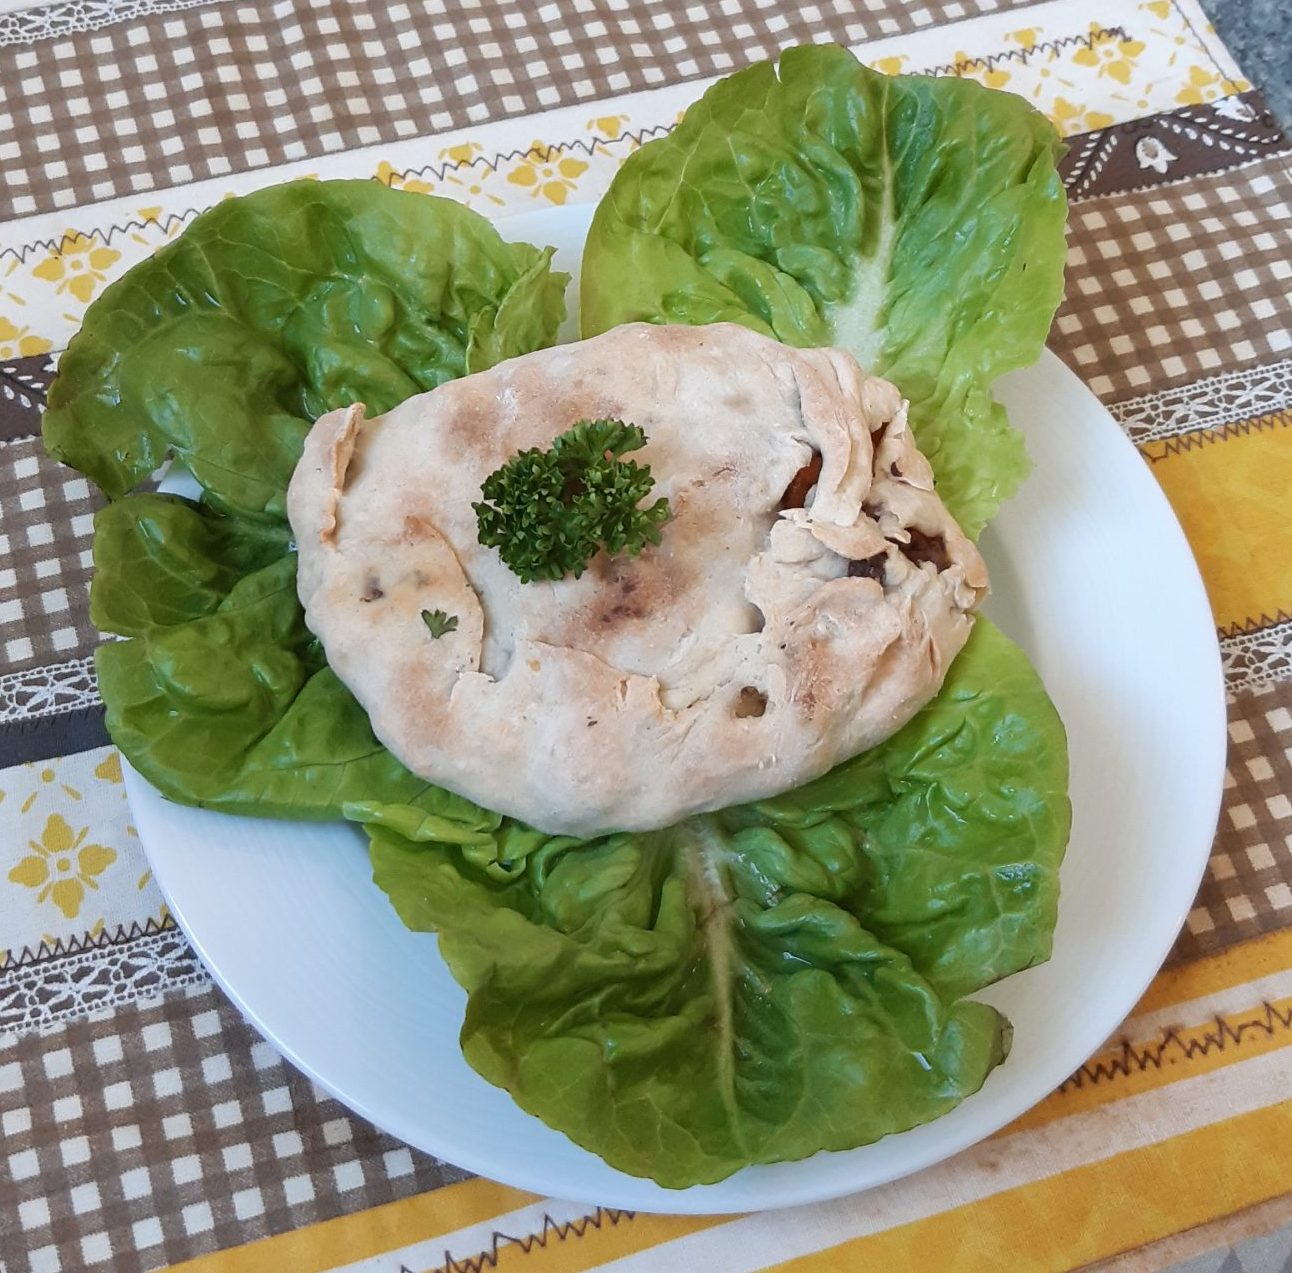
(1091, 574)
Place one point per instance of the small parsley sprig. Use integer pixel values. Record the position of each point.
(439, 623)
(548, 512)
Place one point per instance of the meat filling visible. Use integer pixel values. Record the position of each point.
(924, 548)
(801, 483)
(868, 568)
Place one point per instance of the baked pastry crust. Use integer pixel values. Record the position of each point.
(757, 646)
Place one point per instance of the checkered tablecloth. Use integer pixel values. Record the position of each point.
(143, 1122)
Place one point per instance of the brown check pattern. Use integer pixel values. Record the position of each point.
(183, 96)
(46, 531)
(166, 1130)
(1179, 282)
(1248, 887)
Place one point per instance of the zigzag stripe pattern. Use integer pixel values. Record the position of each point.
(1022, 56)
(1248, 626)
(552, 1231)
(438, 171)
(104, 234)
(1137, 1058)
(98, 979)
(542, 152)
(1192, 441)
(492, 163)
(64, 947)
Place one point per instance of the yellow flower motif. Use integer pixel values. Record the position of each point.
(1047, 78)
(614, 128)
(473, 189)
(61, 866)
(972, 68)
(1070, 118)
(18, 342)
(388, 176)
(1025, 37)
(1200, 88)
(462, 153)
(1114, 58)
(77, 266)
(609, 126)
(1162, 8)
(890, 65)
(545, 175)
(47, 776)
(109, 768)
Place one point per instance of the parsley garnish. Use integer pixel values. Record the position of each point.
(439, 623)
(548, 512)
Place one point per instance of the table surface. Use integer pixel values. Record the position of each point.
(144, 1122)
(1259, 34)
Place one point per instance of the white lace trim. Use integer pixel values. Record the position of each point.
(48, 691)
(1207, 404)
(41, 994)
(1254, 659)
(49, 21)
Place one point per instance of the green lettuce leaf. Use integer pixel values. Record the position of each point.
(626, 994)
(917, 222)
(270, 309)
(775, 979)
(221, 349)
(160, 560)
(962, 816)
(238, 711)
(222, 698)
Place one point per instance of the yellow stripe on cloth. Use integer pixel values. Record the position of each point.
(1090, 1212)
(1229, 488)
(1165, 1056)
(1178, 1053)
(1125, 1068)
(367, 1233)
(1248, 1031)
(1111, 1075)
(581, 1245)
(1247, 961)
